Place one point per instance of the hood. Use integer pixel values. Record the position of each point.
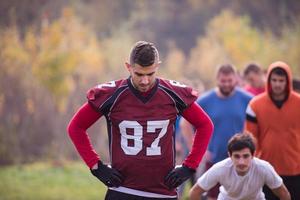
(285, 67)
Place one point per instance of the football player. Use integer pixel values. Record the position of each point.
(141, 111)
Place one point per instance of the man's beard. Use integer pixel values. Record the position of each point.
(225, 92)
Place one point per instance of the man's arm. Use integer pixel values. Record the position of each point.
(204, 128)
(251, 122)
(85, 117)
(195, 192)
(81, 121)
(203, 131)
(282, 193)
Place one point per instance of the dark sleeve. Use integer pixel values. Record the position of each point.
(81, 121)
(203, 132)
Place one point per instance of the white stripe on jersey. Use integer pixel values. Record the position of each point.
(140, 193)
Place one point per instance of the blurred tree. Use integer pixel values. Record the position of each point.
(67, 52)
(25, 128)
(230, 38)
(268, 14)
(116, 53)
(173, 65)
(50, 58)
(158, 21)
(43, 77)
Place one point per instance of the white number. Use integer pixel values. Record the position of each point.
(108, 84)
(154, 149)
(137, 136)
(176, 83)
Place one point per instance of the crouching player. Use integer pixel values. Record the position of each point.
(242, 175)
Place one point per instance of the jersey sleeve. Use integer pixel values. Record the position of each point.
(98, 96)
(183, 95)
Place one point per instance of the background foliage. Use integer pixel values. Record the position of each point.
(51, 52)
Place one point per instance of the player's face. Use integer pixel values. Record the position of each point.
(254, 79)
(278, 86)
(242, 161)
(226, 83)
(143, 78)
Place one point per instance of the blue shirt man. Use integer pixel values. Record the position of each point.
(226, 106)
(228, 116)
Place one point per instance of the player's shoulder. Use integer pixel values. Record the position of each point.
(295, 96)
(172, 84)
(260, 99)
(177, 87)
(244, 93)
(207, 96)
(227, 162)
(222, 166)
(107, 88)
(261, 165)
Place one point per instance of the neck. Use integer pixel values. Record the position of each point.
(279, 97)
(242, 173)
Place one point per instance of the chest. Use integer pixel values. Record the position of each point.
(271, 117)
(232, 109)
(129, 107)
(243, 187)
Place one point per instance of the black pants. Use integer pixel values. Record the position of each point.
(293, 185)
(115, 195)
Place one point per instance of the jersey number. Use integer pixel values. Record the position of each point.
(137, 136)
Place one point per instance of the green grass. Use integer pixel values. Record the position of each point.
(45, 181)
(50, 181)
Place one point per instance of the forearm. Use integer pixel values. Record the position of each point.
(282, 193)
(196, 192)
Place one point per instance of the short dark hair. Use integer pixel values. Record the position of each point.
(252, 67)
(240, 141)
(144, 53)
(279, 71)
(226, 69)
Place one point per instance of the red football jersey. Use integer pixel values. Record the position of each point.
(141, 129)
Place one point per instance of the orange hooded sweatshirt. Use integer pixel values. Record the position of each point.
(277, 130)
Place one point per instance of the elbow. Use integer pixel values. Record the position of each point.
(195, 193)
(192, 195)
(287, 196)
(70, 129)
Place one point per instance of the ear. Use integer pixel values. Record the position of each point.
(128, 66)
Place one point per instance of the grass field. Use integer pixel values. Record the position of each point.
(49, 181)
(45, 181)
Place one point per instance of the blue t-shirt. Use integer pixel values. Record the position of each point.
(228, 115)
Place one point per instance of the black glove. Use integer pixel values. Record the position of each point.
(178, 175)
(107, 175)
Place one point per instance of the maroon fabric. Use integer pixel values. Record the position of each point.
(141, 130)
